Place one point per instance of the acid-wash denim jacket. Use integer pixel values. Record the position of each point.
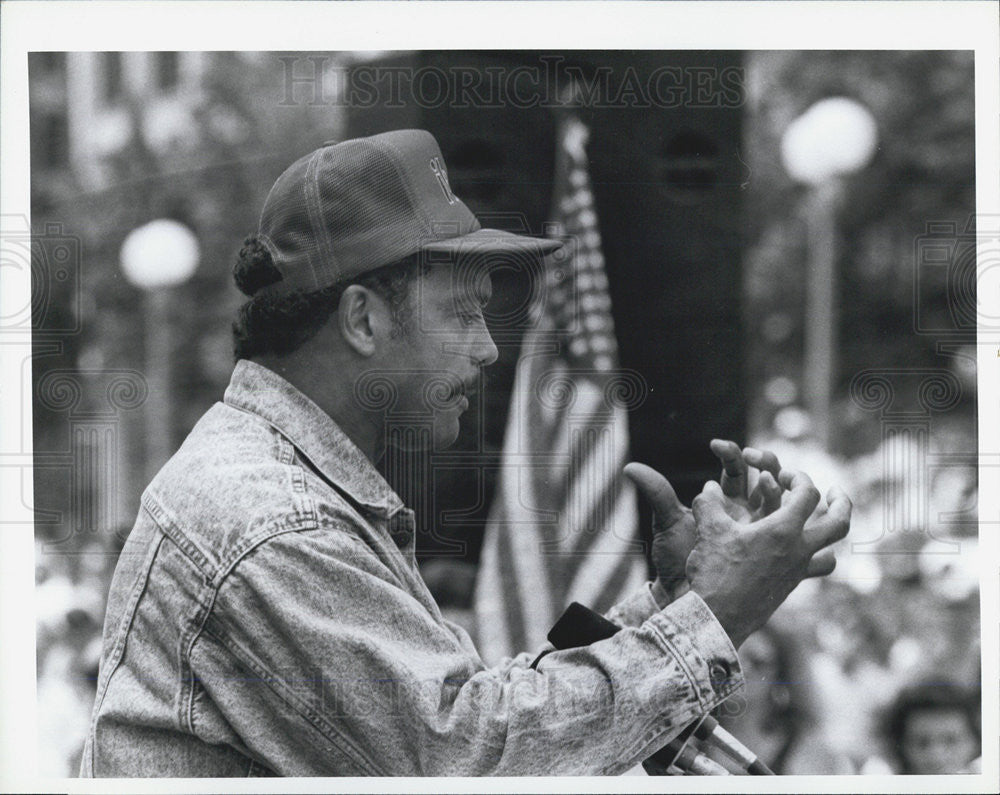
(266, 617)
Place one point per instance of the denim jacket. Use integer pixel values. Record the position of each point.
(266, 617)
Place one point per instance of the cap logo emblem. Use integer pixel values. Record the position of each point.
(442, 177)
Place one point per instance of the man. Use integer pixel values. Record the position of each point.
(267, 616)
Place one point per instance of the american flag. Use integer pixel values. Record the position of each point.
(564, 525)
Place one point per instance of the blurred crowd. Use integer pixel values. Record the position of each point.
(70, 598)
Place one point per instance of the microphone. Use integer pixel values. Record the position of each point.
(581, 626)
(691, 761)
(709, 730)
(678, 754)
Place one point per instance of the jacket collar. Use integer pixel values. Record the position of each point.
(258, 390)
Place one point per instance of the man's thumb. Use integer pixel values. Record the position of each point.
(657, 489)
(710, 504)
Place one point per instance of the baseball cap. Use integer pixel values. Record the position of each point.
(351, 207)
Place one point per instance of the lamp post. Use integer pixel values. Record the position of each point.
(155, 257)
(833, 138)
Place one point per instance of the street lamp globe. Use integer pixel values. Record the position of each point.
(162, 253)
(836, 136)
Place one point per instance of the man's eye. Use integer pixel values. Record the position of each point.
(469, 318)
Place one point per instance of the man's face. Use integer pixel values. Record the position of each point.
(938, 741)
(435, 364)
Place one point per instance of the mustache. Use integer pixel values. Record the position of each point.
(379, 390)
(445, 390)
(458, 388)
(468, 388)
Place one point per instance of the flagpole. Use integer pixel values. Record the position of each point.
(822, 308)
(835, 137)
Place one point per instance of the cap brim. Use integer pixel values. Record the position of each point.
(486, 241)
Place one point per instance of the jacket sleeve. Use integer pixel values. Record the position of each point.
(324, 665)
(635, 608)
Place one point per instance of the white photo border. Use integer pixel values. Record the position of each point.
(379, 26)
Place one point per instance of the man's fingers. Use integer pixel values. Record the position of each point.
(821, 564)
(831, 527)
(734, 468)
(803, 495)
(657, 489)
(838, 504)
(764, 460)
(769, 492)
(709, 506)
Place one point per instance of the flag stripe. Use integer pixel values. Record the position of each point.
(574, 446)
(592, 488)
(599, 519)
(493, 613)
(608, 548)
(525, 538)
(510, 587)
(628, 576)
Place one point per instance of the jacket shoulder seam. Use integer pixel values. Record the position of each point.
(169, 526)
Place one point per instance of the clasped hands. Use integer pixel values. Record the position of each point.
(743, 550)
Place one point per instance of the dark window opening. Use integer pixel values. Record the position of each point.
(689, 162)
(53, 62)
(54, 141)
(476, 167)
(167, 70)
(111, 79)
(476, 155)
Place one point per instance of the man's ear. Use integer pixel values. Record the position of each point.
(362, 316)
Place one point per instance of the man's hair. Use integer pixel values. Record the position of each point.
(280, 324)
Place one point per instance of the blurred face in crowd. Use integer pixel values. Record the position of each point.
(938, 741)
(759, 657)
(436, 362)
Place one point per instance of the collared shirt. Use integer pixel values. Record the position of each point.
(267, 617)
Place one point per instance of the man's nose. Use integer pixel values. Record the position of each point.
(487, 352)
